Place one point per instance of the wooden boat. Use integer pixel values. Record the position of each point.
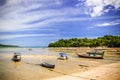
(47, 65)
(16, 57)
(63, 56)
(98, 52)
(90, 56)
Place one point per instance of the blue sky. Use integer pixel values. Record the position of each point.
(39, 22)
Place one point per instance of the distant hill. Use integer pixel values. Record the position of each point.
(3, 45)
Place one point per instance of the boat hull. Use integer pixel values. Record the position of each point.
(47, 65)
(86, 56)
(16, 60)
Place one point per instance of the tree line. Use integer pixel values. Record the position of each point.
(3, 45)
(107, 40)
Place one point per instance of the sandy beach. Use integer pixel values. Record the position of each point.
(104, 72)
(74, 68)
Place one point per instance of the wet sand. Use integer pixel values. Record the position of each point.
(29, 68)
(104, 72)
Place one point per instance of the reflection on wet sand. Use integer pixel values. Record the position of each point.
(16, 64)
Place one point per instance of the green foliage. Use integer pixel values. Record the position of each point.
(107, 40)
(2, 45)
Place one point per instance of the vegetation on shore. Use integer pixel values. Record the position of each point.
(107, 40)
(3, 45)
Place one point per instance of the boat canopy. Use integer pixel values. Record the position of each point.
(62, 54)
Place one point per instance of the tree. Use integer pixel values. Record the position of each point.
(107, 40)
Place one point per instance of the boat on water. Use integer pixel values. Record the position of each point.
(16, 57)
(63, 56)
(47, 65)
(92, 54)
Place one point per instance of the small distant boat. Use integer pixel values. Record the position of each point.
(30, 49)
(92, 54)
(47, 65)
(16, 57)
(63, 56)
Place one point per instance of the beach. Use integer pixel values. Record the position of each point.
(74, 68)
(104, 72)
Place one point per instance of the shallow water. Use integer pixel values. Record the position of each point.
(24, 50)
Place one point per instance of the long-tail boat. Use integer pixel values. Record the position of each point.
(92, 54)
(47, 65)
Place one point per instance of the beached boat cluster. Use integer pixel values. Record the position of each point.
(95, 54)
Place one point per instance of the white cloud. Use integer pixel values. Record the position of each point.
(117, 22)
(14, 15)
(2, 37)
(97, 11)
(96, 7)
(107, 24)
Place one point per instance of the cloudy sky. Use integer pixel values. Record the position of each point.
(39, 22)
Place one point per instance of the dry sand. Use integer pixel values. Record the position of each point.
(72, 69)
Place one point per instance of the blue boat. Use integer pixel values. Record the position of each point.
(63, 56)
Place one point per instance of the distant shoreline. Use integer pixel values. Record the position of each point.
(5, 46)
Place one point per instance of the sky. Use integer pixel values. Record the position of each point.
(40, 22)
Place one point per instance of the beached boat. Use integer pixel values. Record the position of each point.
(96, 54)
(89, 56)
(96, 51)
(16, 57)
(63, 56)
(47, 65)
